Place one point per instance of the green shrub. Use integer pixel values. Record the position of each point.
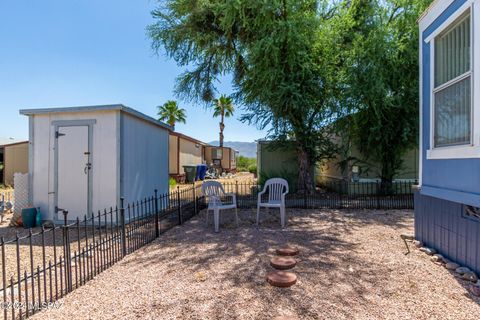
(243, 163)
(252, 168)
(172, 182)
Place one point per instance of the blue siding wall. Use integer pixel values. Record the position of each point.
(439, 224)
(452, 179)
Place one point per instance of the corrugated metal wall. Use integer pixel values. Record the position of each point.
(440, 224)
(173, 155)
(144, 158)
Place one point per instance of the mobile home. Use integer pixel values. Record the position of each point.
(222, 157)
(184, 150)
(14, 157)
(447, 214)
(84, 159)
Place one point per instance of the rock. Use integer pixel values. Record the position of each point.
(417, 243)
(407, 236)
(452, 265)
(475, 290)
(429, 251)
(462, 270)
(470, 276)
(48, 224)
(437, 258)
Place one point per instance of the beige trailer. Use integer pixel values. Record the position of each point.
(225, 157)
(184, 150)
(15, 160)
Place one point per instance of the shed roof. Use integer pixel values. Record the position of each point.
(5, 141)
(120, 107)
(13, 143)
(184, 136)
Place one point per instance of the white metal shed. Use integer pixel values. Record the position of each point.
(84, 159)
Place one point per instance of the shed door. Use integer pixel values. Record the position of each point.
(73, 171)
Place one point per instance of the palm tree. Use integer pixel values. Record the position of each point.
(171, 113)
(222, 107)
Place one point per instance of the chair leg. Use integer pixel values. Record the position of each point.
(236, 216)
(258, 214)
(282, 216)
(207, 217)
(216, 218)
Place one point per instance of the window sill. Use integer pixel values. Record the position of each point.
(457, 152)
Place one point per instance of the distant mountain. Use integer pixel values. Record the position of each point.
(246, 149)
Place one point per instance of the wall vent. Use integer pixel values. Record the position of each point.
(471, 212)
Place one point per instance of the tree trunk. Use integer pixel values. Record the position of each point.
(305, 177)
(222, 126)
(388, 173)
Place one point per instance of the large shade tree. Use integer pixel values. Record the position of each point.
(380, 67)
(223, 108)
(282, 56)
(171, 113)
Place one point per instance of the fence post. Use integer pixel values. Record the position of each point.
(157, 229)
(122, 222)
(195, 208)
(179, 206)
(236, 191)
(305, 198)
(67, 253)
(378, 196)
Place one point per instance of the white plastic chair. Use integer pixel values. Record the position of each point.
(214, 192)
(277, 189)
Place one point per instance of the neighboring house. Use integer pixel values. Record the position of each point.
(222, 157)
(14, 157)
(447, 214)
(184, 150)
(84, 159)
(275, 161)
(352, 166)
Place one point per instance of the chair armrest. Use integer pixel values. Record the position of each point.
(231, 194)
(214, 200)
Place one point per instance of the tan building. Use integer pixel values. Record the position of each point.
(224, 156)
(15, 159)
(184, 150)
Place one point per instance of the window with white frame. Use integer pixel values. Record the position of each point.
(452, 85)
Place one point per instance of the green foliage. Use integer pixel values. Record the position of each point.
(283, 65)
(172, 182)
(299, 65)
(380, 72)
(252, 168)
(171, 113)
(243, 163)
(223, 108)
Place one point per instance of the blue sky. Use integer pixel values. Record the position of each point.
(57, 53)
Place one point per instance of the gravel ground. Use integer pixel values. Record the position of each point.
(352, 265)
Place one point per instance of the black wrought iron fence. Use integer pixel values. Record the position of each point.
(44, 264)
(335, 194)
(41, 265)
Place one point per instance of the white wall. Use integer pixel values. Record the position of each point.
(104, 159)
(144, 158)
